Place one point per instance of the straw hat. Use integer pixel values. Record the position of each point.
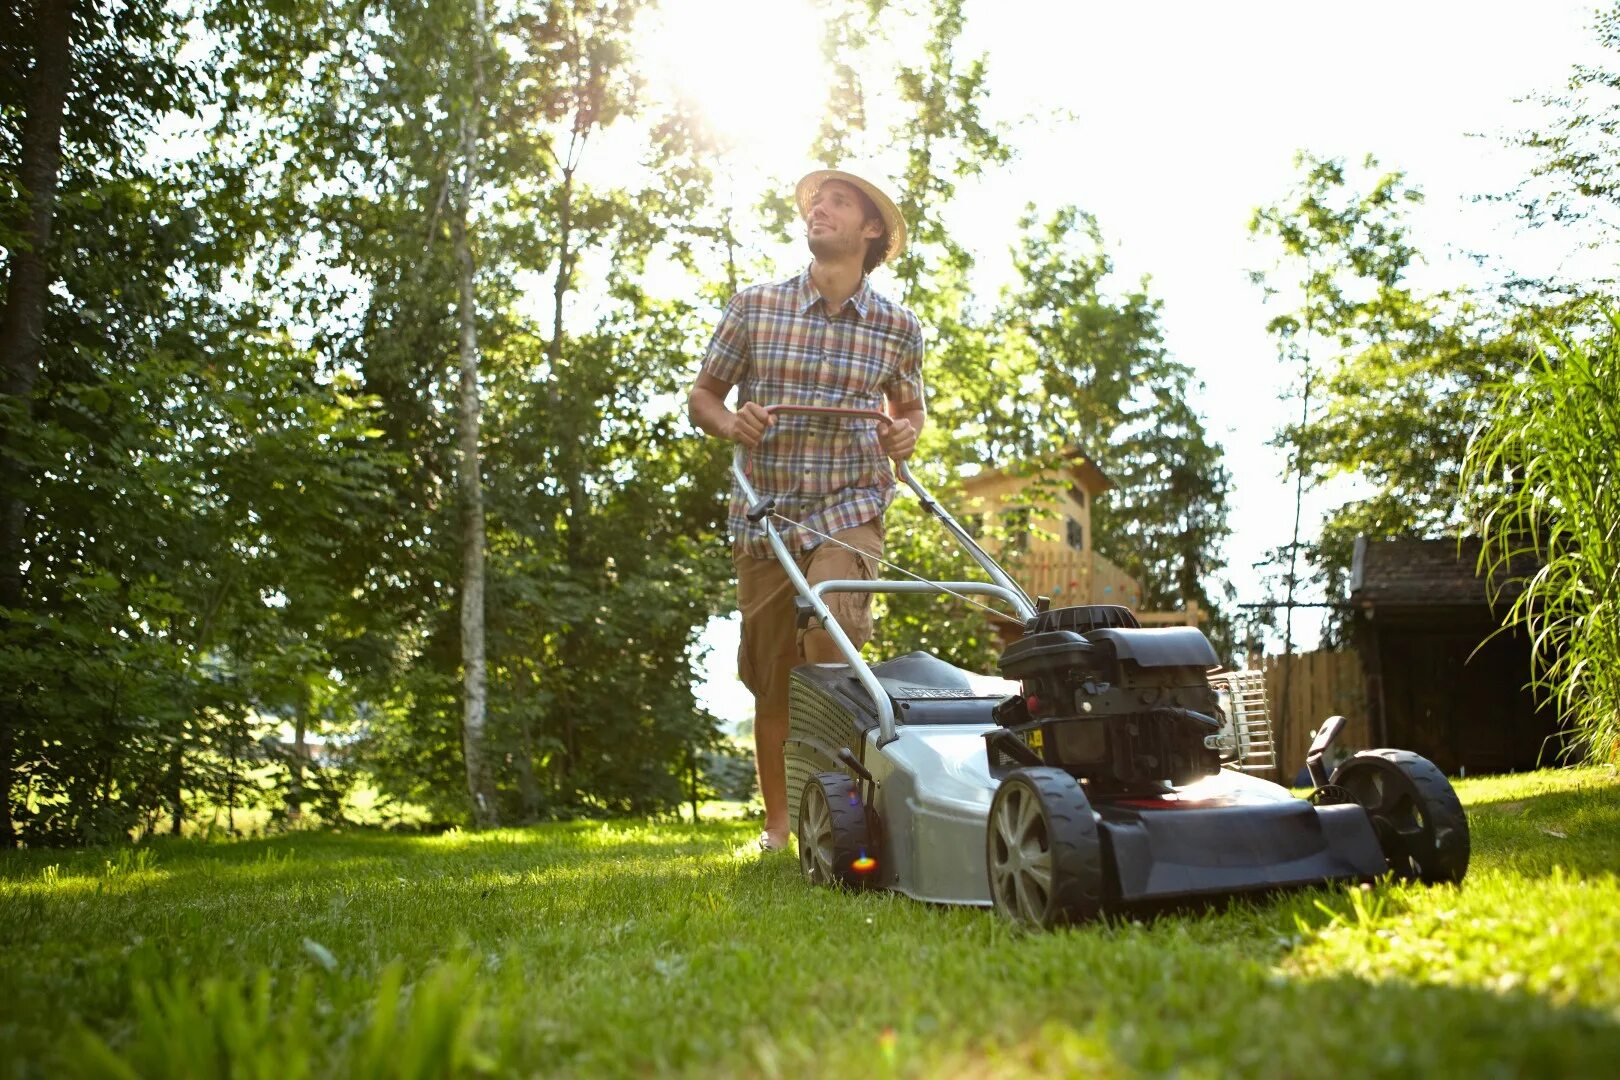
(891, 213)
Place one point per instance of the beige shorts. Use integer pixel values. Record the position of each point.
(772, 646)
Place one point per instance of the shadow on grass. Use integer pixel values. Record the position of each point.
(1297, 1027)
(1097, 1000)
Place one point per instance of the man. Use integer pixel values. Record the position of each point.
(823, 337)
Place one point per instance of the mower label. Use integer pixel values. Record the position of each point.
(938, 692)
(1033, 737)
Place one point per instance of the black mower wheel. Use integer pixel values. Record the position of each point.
(1419, 821)
(833, 842)
(1043, 850)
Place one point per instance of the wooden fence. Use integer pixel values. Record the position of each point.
(1305, 689)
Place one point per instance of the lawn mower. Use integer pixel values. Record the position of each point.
(1108, 766)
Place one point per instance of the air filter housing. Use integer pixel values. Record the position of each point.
(1082, 618)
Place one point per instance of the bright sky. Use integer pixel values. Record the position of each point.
(1180, 119)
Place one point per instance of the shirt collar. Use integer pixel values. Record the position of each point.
(808, 294)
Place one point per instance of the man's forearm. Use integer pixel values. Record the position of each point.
(708, 411)
(912, 411)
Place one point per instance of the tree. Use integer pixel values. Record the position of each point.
(1102, 378)
(480, 783)
(576, 442)
(1012, 383)
(1341, 255)
(27, 239)
(1072, 365)
(1574, 180)
(1396, 377)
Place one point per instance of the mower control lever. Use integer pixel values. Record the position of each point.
(847, 758)
(1330, 729)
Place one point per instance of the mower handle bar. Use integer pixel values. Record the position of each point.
(740, 455)
(1001, 584)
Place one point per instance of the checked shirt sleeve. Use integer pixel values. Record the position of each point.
(906, 386)
(729, 355)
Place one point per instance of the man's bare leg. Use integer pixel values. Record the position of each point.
(770, 732)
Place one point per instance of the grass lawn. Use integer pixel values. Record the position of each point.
(625, 948)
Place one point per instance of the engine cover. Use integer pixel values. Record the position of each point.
(1123, 708)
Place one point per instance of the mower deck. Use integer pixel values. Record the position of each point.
(1190, 849)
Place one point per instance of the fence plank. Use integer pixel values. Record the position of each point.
(1320, 684)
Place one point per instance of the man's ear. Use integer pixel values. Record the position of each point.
(872, 229)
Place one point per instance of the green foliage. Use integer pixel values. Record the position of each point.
(1394, 382)
(1071, 366)
(1384, 376)
(1574, 177)
(195, 485)
(1541, 475)
(1056, 363)
(843, 121)
(945, 138)
(603, 949)
(1092, 372)
(953, 629)
(240, 454)
(237, 469)
(598, 506)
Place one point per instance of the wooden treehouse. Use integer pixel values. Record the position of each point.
(1038, 525)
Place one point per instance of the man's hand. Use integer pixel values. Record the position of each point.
(747, 425)
(899, 439)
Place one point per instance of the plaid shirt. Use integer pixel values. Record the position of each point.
(780, 346)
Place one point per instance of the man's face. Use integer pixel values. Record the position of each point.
(837, 225)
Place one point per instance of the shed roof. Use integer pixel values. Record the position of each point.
(1423, 573)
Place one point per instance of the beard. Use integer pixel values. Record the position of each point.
(835, 247)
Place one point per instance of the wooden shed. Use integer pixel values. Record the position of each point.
(1438, 681)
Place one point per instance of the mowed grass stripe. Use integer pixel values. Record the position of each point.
(624, 949)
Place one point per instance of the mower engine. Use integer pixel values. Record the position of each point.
(1123, 708)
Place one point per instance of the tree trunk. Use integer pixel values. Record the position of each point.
(572, 471)
(1293, 547)
(731, 254)
(177, 778)
(300, 753)
(528, 784)
(692, 776)
(23, 323)
(474, 738)
(567, 459)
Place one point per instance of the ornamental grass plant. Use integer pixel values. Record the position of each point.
(1541, 473)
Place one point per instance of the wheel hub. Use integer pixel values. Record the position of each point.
(1021, 864)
